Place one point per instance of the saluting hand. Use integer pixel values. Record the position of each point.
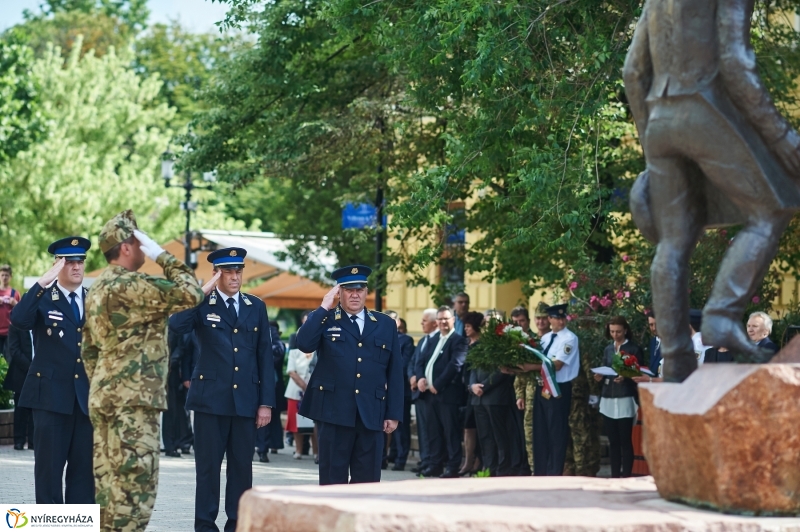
(329, 301)
(263, 417)
(52, 274)
(209, 286)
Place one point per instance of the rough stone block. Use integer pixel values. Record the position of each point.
(517, 504)
(727, 438)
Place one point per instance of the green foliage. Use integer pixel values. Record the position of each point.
(132, 13)
(100, 155)
(21, 122)
(5, 395)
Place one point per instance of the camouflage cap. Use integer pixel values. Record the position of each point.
(117, 229)
(541, 310)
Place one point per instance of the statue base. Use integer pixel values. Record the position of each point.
(728, 437)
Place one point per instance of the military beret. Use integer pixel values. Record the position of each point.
(353, 276)
(541, 310)
(71, 248)
(117, 229)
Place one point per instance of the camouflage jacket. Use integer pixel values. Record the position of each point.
(125, 336)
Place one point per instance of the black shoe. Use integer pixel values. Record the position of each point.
(274, 451)
(449, 474)
(19, 446)
(391, 459)
(399, 467)
(385, 464)
(417, 468)
(186, 450)
(263, 458)
(173, 454)
(429, 473)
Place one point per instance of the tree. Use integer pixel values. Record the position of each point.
(101, 155)
(312, 120)
(21, 122)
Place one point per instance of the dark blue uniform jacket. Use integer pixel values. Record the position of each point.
(234, 374)
(56, 376)
(355, 373)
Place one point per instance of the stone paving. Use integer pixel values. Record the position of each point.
(174, 508)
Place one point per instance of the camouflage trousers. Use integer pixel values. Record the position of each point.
(126, 453)
(525, 388)
(583, 451)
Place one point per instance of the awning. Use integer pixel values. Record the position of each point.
(287, 290)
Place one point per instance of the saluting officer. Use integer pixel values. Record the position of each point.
(57, 388)
(356, 390)
(233, 385)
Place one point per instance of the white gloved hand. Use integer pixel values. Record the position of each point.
(594, 401)
(148, 245)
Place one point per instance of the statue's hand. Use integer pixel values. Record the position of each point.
(788, 151)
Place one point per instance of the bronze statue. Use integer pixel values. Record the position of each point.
(718, 153)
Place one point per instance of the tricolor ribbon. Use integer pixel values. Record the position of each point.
(548, 372)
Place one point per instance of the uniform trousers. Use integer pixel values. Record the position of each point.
(444, 435)
(494, 425)
(126, 453)
(551, 431)
(63, 440)
(23, 424)
(351, 454)
(233, 437)
(177, 430)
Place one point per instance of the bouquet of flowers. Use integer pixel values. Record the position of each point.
(500, 346)
(626, 365)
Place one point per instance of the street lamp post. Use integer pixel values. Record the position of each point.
(168, 172)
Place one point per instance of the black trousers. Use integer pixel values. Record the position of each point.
(551, 431)
(63, 440)
(444, 435)
(421, 408)
(23, 423)
(519, 449)
(401, 438)
(349, 454)
(620, 445)
(176, 427)
(493, 424)
(215, 437)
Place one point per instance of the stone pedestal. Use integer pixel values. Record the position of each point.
(727, 438)
(516, 504)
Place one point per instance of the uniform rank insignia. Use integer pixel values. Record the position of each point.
(338, 314)
(212, 300)
(246, 301)
(212, 317)
(54, 293)
(334, 328)
(371, 317)
(61, 334)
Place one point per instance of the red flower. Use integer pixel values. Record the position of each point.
(499, 329)
(629, 361)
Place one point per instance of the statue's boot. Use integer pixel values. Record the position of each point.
(721, 331)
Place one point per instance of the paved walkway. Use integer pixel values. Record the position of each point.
(174, 508)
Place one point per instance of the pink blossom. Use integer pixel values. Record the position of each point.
(625, 258)
(573, 285)
(571, 317)
(627, 294)
(619, 295)
(756, 299)
(606, 302)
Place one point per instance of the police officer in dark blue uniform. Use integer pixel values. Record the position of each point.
(56, 387)
(232, 389)
(356, 391)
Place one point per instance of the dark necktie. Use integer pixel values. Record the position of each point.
(74, 304)
(232, 308)
(549, 345)
(354, 319)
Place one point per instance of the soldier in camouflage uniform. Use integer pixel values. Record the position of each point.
(583, 451)
(525, 383)
(126, 357)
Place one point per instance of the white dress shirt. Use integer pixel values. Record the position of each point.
(359, 319)
(78, 296)
(565, 349)
(235, 301)
(435, 356)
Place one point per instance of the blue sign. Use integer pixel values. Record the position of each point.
(359, 216)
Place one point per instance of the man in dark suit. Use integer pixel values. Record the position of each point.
(176, 430)
(759, 327)
(401, 439)
(654, 349)
(57, 388)
(355, 393)
(423, 350)
(271, 436)
(19, 354)
(232, 389)
(439, 379)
